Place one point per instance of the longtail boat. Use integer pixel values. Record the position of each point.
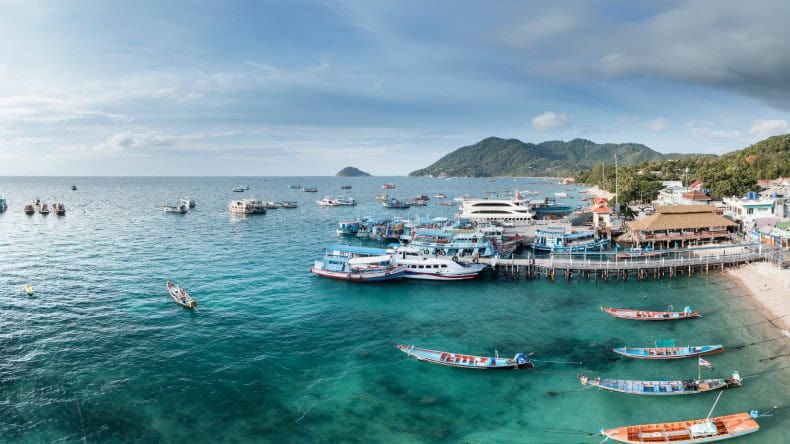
(693, 431)
(667, 350)
(663, 388)
(642, 315)
(520, 360)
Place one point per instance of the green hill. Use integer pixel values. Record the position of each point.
(350, 171)
(511, 157)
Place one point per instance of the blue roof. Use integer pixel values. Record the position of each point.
(578, 235)
(436, 233)
(357, 250)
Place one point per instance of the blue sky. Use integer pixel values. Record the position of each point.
(306, 88)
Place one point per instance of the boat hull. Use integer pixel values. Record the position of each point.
(668, 353)
(660, 388)
(458, 360)
(360, 277)
(641, 315)
(439, 276)
(730, 426)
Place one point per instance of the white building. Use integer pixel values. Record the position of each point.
(750, 209)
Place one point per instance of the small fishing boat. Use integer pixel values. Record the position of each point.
(3, 204)
(561, 194)
(270, 205)
(43, 209)
(440, 196)
(666, 349)
(328, 202)
(239, 189)
(447, 204)
(295, 186)
(74, 188)
(382, 196)
(247, 206)
(520, 360)
(642, 315)
(189, 202)
(663, 388)
(180, 296)
(288, 204)
(345, 187)
(395, 203)
(388, 186)
(29, 289)
(59, 208)
(310, 190)
(346, 201)
(30, 209)
(179, 208)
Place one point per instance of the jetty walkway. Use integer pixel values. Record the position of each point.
(595, 266)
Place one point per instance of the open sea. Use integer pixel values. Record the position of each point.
(100, 353)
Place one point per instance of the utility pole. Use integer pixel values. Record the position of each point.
(616, 189)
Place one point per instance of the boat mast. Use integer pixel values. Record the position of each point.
(707, 418)
(616, 183)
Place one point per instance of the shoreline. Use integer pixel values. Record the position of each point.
(768, 287)
(597, 192)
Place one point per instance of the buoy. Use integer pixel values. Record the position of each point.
(29, 290)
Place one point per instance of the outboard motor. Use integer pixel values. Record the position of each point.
(754, 414)
(688, 309)
(521, 358)
(736, 376)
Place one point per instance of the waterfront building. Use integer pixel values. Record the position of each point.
(671, 192)
(694, 197)
(750, 209)
(679, 226)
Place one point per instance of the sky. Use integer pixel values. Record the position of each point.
(300, 88)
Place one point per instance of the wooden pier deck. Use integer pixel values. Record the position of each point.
(591, 268)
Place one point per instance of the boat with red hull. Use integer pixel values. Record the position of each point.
(520, 360)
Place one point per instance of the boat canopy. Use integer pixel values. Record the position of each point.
(435, 233)
(369, 260)
(356, 250)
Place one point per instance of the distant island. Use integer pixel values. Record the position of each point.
(350, 171)
(494, 156)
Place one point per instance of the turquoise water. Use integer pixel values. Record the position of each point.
(275, 354)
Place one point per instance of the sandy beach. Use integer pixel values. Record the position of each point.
(595, 191)
(769, 288)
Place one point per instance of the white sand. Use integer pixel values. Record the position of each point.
(770, 289)
(597, 192)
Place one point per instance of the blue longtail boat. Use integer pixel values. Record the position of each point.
(663, 388)
(666, 349)
(520, 360)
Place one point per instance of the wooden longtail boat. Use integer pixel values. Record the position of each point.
(641, 315)
(663, 388)
(694, 431)
(520, 360)
(180, 296)
(668, 350)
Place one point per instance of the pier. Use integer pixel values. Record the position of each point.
(602, 266)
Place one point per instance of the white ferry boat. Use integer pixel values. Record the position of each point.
(504, 211)
(247, 206)
(419, 266)
(3, 204)
(58, 208)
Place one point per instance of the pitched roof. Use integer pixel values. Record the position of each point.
(678, 217)
(696, 195)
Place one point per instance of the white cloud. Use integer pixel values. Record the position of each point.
(658, 125)
(532, 31)
(767, 128)
(550, 120)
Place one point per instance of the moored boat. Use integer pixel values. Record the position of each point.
(247, 206)
(643, 315)
(460, 244)
(43, 209)
(180, 296)
(663, 388)
(29, 289)
(692, 431)
(59, 208)
(440, 196)
(189, 202)
(294, 186)
(345, 187)
(395, 203)
(179, 208)
(3, 204)
(520, 360)
(666, 349)
(310, 190)
(382, 197)
(556, 240)
(30, 209)
(419, 266)
(388, 186)
(287, 204)
(561, 194)
(357, 264)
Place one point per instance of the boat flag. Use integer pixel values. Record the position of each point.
(704, 363)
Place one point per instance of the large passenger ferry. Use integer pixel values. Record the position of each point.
(504, 211)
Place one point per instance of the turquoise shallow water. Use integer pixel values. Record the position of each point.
(275, 354)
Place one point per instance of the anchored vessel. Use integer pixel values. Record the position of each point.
(515, 212)
(179, 208)
(520, 360)
(419, 266)
(555, 239)
(452, 244)
(395, 203)
(693, 431)
(310, 190)
(59, 208)
(3, 204)
(666, 349)
(663, 388)
(180, 296)
(30, 209)
(357, 264)
(642, 315)
(247, 206)
(189, 202)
